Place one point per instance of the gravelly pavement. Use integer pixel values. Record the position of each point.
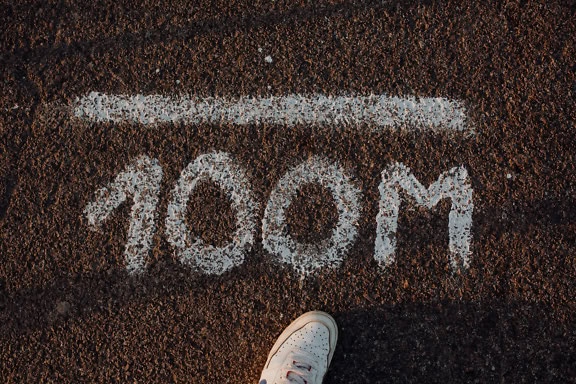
(69, 310)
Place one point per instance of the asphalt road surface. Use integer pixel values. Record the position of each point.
(149, 234)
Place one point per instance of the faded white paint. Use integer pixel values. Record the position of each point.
(453, 184)
(365, 112)
(141, 181)
(372, 111)
(306, 258)
(220, 168)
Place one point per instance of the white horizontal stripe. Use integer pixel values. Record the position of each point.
(411, 113)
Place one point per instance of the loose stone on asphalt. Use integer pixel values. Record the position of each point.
(160, 245)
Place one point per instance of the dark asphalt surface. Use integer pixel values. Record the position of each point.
(69, 312)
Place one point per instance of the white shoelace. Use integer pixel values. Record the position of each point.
(301, 371)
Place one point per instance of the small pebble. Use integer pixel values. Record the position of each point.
(62, 307)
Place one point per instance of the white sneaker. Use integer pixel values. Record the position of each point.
(303, 351)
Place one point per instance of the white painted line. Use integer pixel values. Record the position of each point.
(220, 168)
(306, 258)
(453, 184)
(141, 180)
(376, 111)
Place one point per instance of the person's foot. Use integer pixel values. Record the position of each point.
(303, 351)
